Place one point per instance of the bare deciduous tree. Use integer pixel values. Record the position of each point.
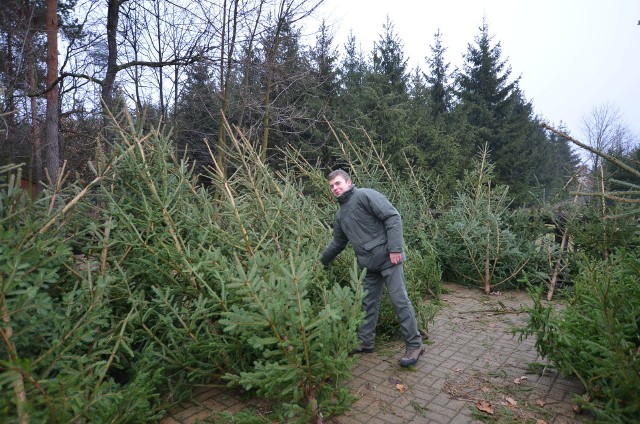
(605, 130)
(287, 13)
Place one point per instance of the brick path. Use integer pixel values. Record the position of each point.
(471, 357)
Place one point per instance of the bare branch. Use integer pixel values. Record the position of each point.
(593, 150)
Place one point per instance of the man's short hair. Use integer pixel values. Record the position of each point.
(338, 173)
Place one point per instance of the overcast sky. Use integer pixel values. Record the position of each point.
(571, 55)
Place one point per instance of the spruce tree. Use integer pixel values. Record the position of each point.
(418, 116)
(64, 347)
(557, 166)
(387, 103)
(322, 97)
(323, 59)
(431, 117)
(197, 115)
(439, 90)
(289, 78)
(352, 73)
(494, 107)
(389, 63)
(479, 244)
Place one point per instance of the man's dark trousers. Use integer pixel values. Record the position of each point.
(373, 285)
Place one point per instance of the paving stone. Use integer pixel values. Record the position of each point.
(435, 418)
(206, 394)
(227, 400)
(462, 419)
(197, 418)
(457, 405)
(186, 413)
(442, 399)
(345, 420)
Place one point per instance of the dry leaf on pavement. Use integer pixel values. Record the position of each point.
(540, 402)
(519, 379)
(485, 406)
(401, 388)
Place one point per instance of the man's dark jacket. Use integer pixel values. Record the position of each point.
(371, 224)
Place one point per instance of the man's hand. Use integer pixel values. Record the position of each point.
(395, 257)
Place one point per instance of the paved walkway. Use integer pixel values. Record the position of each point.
(473, 371)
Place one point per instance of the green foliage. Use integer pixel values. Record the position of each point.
(157, 296)
(59, 340)
(300, 359)
(439, 91)
(212, 277)
(596, 236)
(502, 119)
(197, 114)
(596, 336)
(478, 244)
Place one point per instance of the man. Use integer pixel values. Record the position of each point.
(373, 226)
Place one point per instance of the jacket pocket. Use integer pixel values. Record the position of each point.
(374, 254)
(373, 243)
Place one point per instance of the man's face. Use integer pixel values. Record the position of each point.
(339, 185)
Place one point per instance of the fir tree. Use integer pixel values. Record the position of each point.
(479, 245)
(387, 103)
(438, 89)
(322, 97)
(494, 107)
(389, 63)
(352, 73)
(323, 59)
(431, 119)
(197, 115)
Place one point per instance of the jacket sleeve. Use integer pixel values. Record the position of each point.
(337, 244)
(389, 215)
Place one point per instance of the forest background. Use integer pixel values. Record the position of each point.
(176, 156)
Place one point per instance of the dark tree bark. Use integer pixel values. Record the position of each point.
(10, 106)
(36, 140)
(113, 14)
(52, 148)
(270, 64)
(230, 26)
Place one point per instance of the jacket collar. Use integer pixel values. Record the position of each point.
(342, 199)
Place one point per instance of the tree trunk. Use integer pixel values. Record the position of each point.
(6, 333)
(10, 100)
(487, 275)
(160, 59)
(271, 64)
(36, 140)
(559, 264)
(246, 79)
(52, 148)
(113, 9)
(225, 74)
(176, 99)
